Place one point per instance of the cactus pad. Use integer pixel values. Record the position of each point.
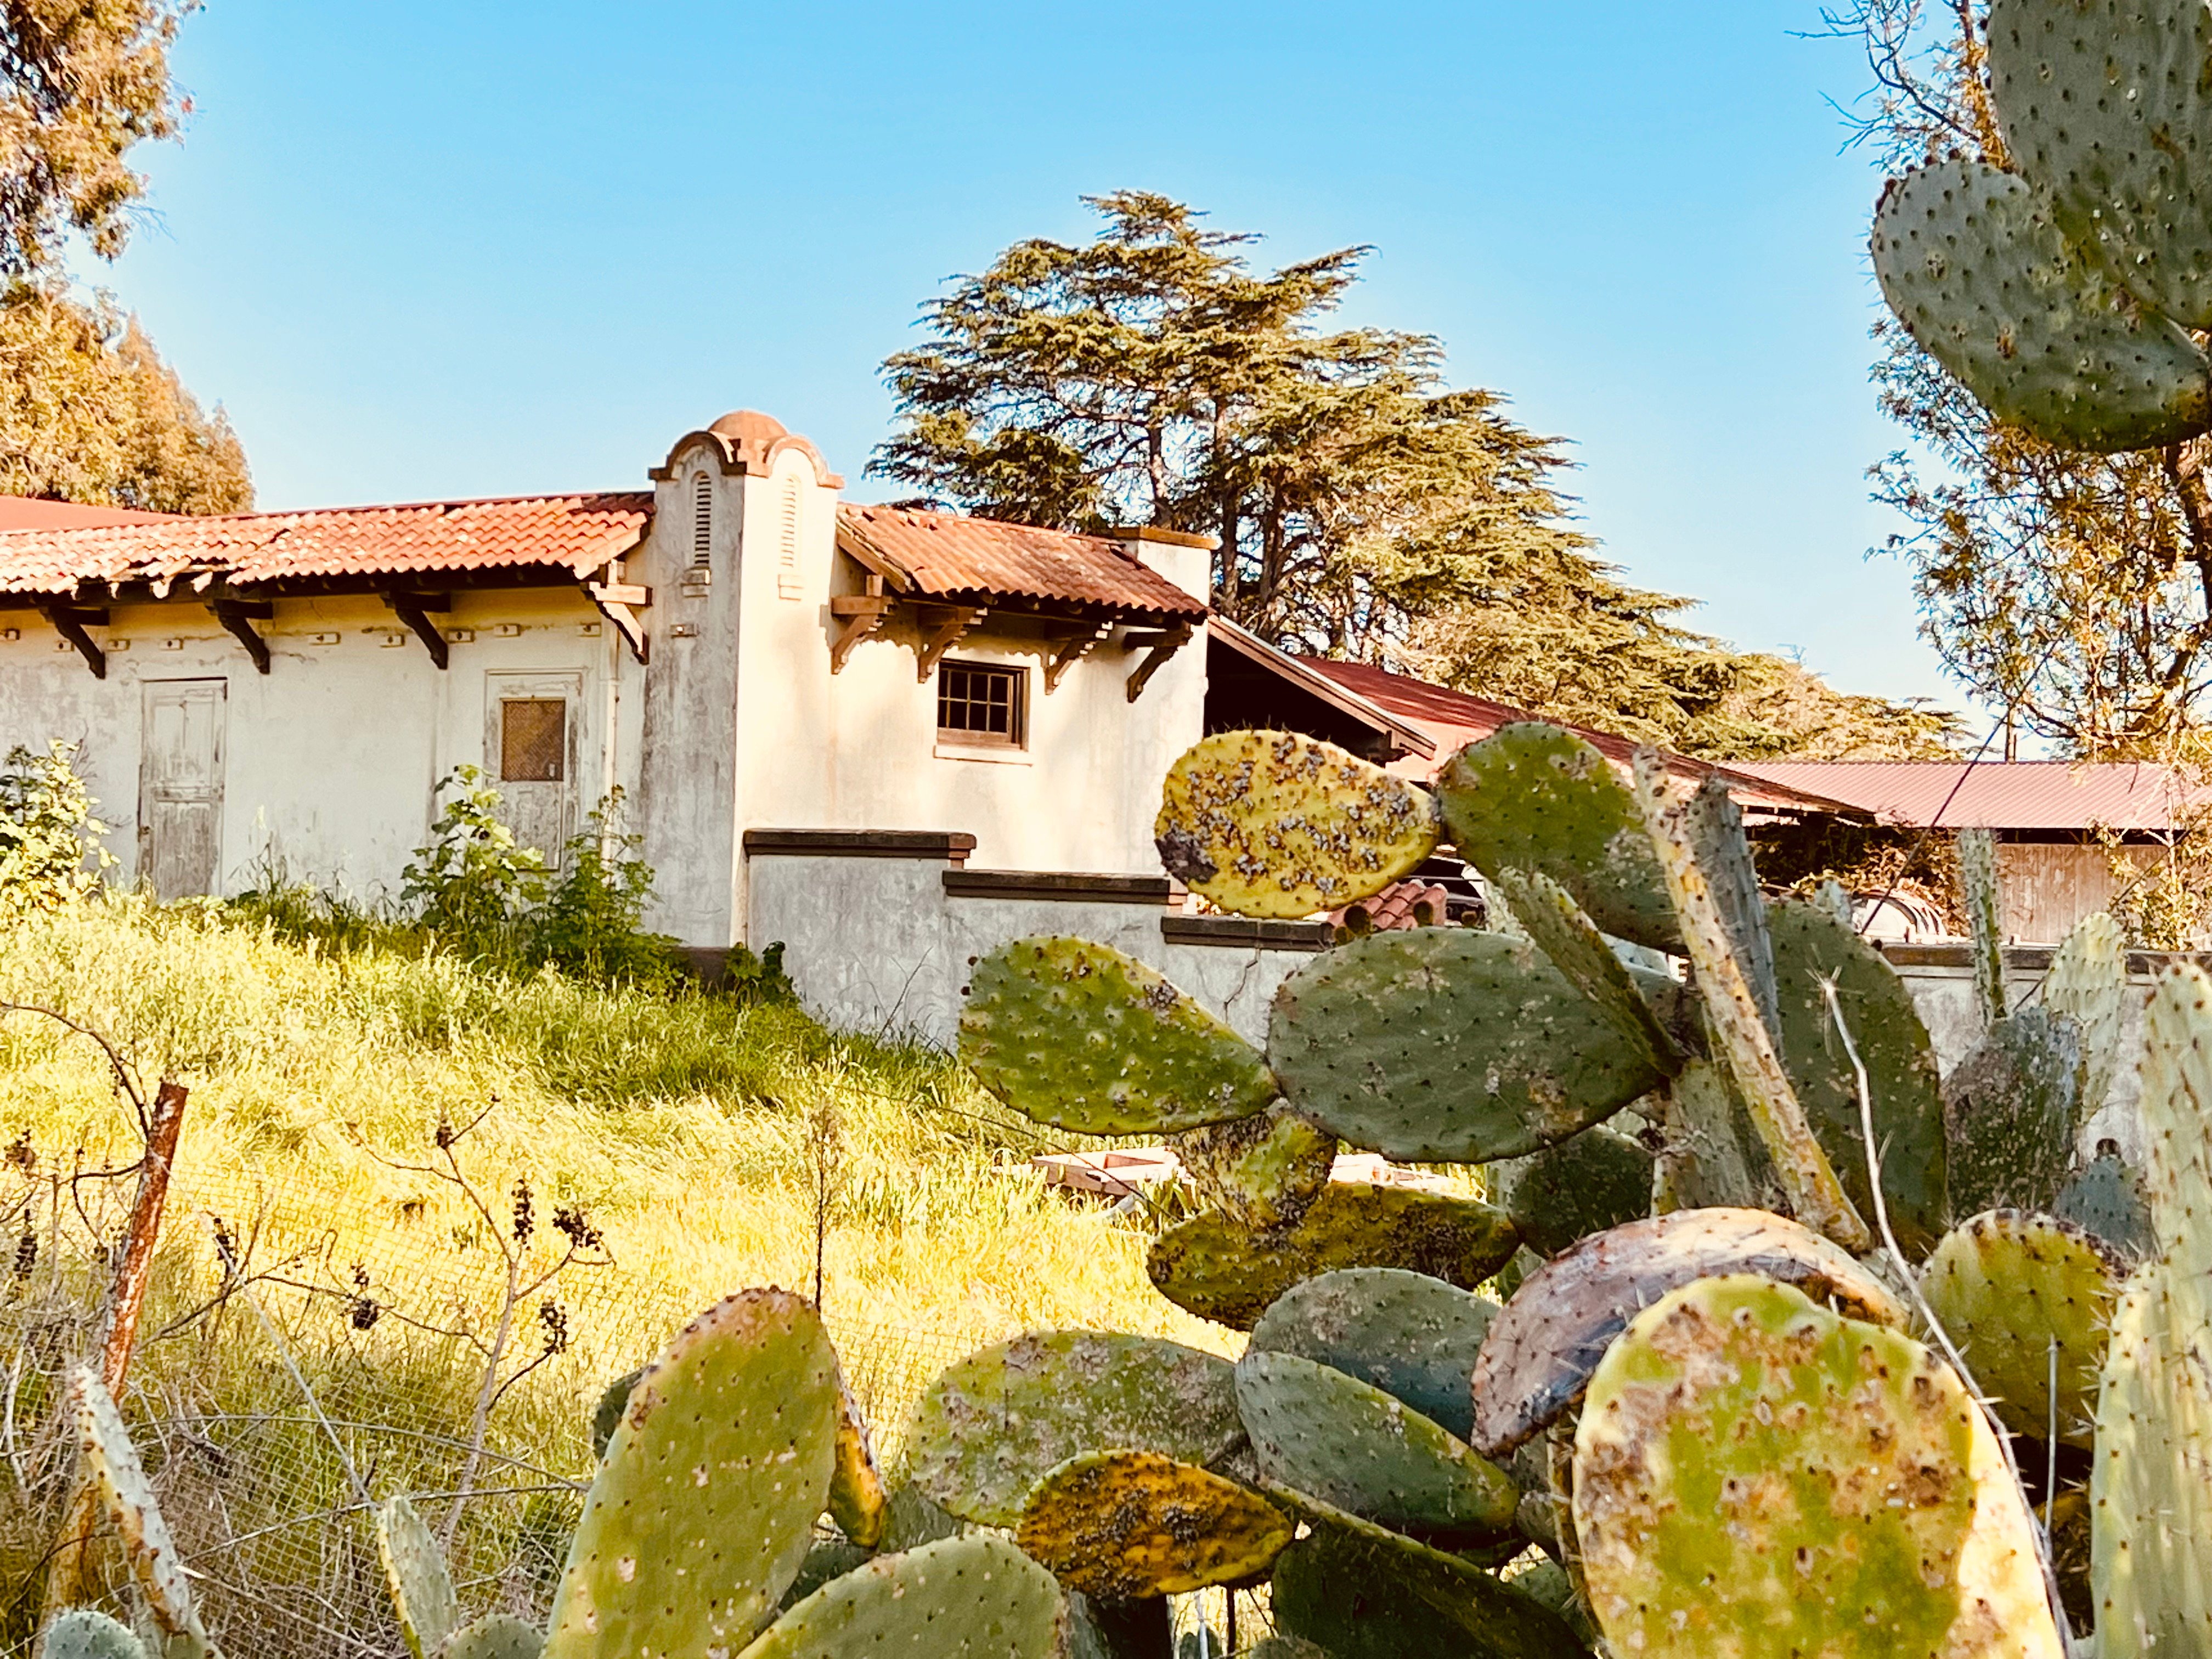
(1270, 823)
(705, 1504)
(999, 1421)
(1756, 1476)
(1713, 1159)
(1531, 797)
(1265, 1171)
(1357, 1596)
(1447, 1044)
(81, 1633)
(2011, 1111)
(112, 1464)
(1982, 897)
(1903, 1081)
(964, 1598)
(1975, 266)
(2088, 983)
(1411, 1336)
(1078, 1035)
(1543, 1346)
(1351, 1445)
(2006, 1285)
(415, 1573)
(859, 1501)
(1220, 1270)
(607, 1412)
(1583, 1185)
(1126, 1526)
(2105, 1199)
(1555, 924)
(2108, 107)
(494, 1636)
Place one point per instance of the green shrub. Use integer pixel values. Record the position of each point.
(472, 883)
(592, 925)
(50, 849)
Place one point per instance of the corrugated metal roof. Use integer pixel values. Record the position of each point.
(1999, 794)
(947, 555)
(1453, 719)
(30, 513)
(575, 533)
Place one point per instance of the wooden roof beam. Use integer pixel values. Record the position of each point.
(1164, 643)
(414, 610)
(70, 621)
(237, 617)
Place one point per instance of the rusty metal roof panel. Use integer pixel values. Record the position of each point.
(2022, 795)
(947, 555)
(575, 533)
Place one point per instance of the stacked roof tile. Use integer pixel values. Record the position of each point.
(946, 556)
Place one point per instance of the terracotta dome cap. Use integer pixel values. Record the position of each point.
(749, 426)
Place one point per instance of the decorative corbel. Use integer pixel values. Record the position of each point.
(860, 615)
(943, 627)
(414, 610)
(70, 621)
(1163, 643)
(1069, 650)
(237, 617)
(620, 603)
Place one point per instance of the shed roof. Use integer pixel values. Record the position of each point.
(949, 556)
(572, 534)
(2025, 795)
(33, 512)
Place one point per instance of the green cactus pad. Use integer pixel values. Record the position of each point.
(1411, 1336)
(1583, 1185)
(1903, 1080)
(1272, 824)
(607, 1412)
(705, 1504)
(999, 1421)
(1713, 1157)
(112, 1464)
(415, 1573)
(1555, 924)
(2105, 1199)
(1544, 1344)
(1357, 1596)
(1756, 1477)
(912, 1520)
(964, 1598)
(1350, 1445)
(81, 1633)
(494, 1636)
(1981, 896)
(1078, 1035)
(1221, 1270)
(2011, 1112)
(2106, 105)
(1264, 1171)
(1446, 1044)
(1974, 265)
(1532, 798)
(860, 1503)
(1123, 1526)
(2008, 1284)
(2088, 984)
(830, 1558)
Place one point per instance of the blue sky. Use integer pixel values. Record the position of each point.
(426, 250)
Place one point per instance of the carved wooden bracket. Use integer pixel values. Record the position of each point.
(237, 617)
(862, 614)
(1070, 649)
(1164, 644)
(414, 610)
(943, 627)
(620, 603)
(70, 621)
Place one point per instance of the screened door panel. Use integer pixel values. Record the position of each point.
(533, 737)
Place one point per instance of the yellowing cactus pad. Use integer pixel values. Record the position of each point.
(1272, 824)
(1756, 1478)
(964, 1598)
(1124, 1526)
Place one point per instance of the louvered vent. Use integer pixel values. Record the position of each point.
(702, 518)
(787, 546)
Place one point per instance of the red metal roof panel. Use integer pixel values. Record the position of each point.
(1999, 794)
(946, 554)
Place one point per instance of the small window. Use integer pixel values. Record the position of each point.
(702, 518)
(977, 704)
(533, 740)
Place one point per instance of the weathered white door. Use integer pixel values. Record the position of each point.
(533, 743)
(180, 786)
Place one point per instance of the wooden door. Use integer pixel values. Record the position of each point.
(180, 786)
(533, 747)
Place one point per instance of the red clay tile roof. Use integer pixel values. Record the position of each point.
(1999, 794)
(1452, 719)
(1394, 909)
(575, 534)
(945, 554)
(29, 512)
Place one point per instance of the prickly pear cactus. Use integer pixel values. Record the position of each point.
(1555, 924)
(1270, 823)
(112, 1464)
(999, 1421)
(415, 1573)
(1444, 1044)
(1756, 1476)
(1583, 1185)
(2008, 1286)
(494, 1636)
(2088, 984)
(81, 1633)
(859, 1502)
(1123, 1526)
(2012, 1112)
(1532, 798)
(965, 1598)
(2105, 1198)
(1414, 1337)
(607, 1410)
(1263, 1171)
(1543, 1346)
(1982, 896)
(703, 1508)
(1221, 1270)
(1078, 1035)
(1356, 1596)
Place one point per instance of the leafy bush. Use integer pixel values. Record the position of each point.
(472, 882)
(50, 850)
(592, 925)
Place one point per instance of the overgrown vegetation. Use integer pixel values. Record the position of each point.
(50, 842)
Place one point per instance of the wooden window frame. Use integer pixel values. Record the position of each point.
(1015, 675)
